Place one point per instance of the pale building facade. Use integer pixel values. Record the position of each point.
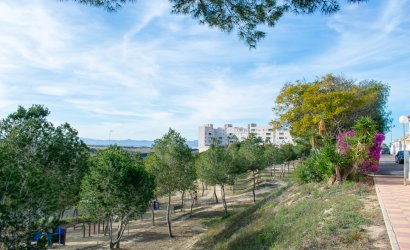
(398, 144)
(229, 134)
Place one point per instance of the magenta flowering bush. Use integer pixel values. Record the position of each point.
(343, 142)
(371, 164)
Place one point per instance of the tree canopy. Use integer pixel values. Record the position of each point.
(172, 165)
(331, 100)
(215, 167)
(252, 153)
(116, 189)
(244, 16)
(41, 167)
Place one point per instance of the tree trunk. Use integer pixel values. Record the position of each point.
(216, 197)
(223, 199)
(153, 214)
(288, 166)
(203, 188)
(61, 215)
(182, 200)
(75, 212)
(105, 229)
(115, 243)
(283, 170)
(338, 175)
(254, 185)
(168, 216)
(192, 203)
(109, 225)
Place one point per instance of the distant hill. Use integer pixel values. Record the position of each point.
(129, 143)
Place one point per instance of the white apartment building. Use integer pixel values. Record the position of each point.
(230, 134)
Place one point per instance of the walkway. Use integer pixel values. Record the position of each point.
(394, 199)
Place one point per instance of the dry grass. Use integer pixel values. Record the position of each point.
(304, 217)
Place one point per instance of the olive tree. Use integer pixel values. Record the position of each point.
(117, 189)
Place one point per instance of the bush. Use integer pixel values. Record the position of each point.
(307, 172)
(317, 167)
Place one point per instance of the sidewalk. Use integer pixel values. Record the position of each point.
(394, 199)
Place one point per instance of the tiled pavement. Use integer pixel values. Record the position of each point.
(394, 199)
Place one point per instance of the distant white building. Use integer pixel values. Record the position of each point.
(229, 134)
(398, 144)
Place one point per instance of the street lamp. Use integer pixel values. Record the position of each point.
(403, 120)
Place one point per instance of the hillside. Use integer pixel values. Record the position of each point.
(304, 217)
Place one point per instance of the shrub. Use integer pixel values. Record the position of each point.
(319, 166)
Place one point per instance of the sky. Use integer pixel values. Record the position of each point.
(142, 70)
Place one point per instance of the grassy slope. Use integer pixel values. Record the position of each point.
(296, 217)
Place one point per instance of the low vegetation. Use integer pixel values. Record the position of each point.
(308, 216)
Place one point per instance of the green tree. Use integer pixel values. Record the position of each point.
(273, 155)
(71, 156)
(172, 165)
(117, 189)
(41, 167)
(238, 164)
(214, 166)
(244, 16)
(333, 101)
(252, 151)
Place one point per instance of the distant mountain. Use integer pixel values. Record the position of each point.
(129, 143)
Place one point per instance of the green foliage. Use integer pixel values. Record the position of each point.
(307, 171)
(289, 153)
(252, 151)
(117, 188)
(305, 217)
(238, 164)
(41, 167)
(335, 100)
(214, 166)
(244, 16)
(171, 163)
(273, 155)
(319, 166)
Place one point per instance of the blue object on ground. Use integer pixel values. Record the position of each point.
(156, 205)
(58, 235)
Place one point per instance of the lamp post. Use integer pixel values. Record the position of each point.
(403, 119)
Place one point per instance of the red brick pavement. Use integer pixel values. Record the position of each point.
(396, 199)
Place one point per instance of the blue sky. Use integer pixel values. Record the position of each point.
(142, 70)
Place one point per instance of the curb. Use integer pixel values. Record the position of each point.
(392, 236)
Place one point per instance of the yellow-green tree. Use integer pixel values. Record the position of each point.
(334, 100)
